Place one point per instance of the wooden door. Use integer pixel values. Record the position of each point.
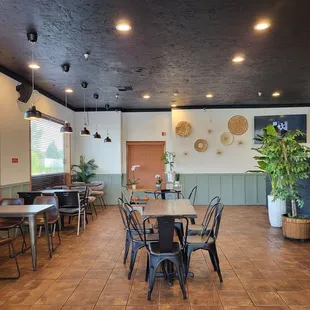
(148, 155)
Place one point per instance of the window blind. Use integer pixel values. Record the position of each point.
(47, 147)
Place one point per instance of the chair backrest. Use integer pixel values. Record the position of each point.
(212, 225)
(84, 191)
(28, 196)
(52, 213)
(11, 201)
(169, 194)
(123, 212)
(69, 199)
(125, 195)
(213, 201)
(192, 195)
(135, 226)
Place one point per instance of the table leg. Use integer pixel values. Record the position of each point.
(47, 234)
(33, 239)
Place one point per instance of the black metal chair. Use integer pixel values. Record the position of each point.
(9, 241)
(125, 210)
(29, 196)
(164, 250)
(139, 236)
(70, 205)
(192, 199)
(197, 229)
(207, 239)
(9, 223)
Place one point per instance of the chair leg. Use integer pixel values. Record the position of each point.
(147, 268)
(127, 245)
(192, 221)
(134, 250)
(188, 253)
(153, 264)
(216, 262)
(24, 245)
(94, 208)
(40, 231)
(84, 219)
(105, 206)
(212, 260)
(181, 277)
(79, 223)
(101, 202)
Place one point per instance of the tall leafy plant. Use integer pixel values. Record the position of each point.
(85, 170)
(168, 159)
(285, 161)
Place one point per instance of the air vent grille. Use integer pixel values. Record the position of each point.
(125, 88)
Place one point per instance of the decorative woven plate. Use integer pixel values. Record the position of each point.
(183, 129)
(238, 125)
(201, 145)
(227, 138)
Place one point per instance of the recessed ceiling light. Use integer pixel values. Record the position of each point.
(176, 93)
(209, 95)
(123, 26)
(69, 90)
(238, 58)
(173, 106)
(34, 66)
(263, 25)
(146, 96)
(276, 94)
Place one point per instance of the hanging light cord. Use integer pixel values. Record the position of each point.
(86, 120)
(96, 113)
(32, 72)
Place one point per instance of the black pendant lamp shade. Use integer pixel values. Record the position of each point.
(32, 114)
(107, 139)
(66, 128)
(85, 132)
(97, 136)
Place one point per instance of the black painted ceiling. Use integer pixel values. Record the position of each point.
(182, 45)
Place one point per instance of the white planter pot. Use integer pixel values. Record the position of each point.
(176, 183)
(275, 210)
(170, 176)
(133, 186)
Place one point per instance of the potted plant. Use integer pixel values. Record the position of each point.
(177, 180)
(133, 182)
(159, 181)
(168, 159)
(285, 161)
(86, 169)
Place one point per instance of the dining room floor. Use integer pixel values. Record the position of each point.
(261, 270)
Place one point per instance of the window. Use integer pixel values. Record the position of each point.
(47, 147)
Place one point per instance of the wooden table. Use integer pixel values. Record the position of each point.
(30, 211)
(166, 207)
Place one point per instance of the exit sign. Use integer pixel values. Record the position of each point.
(14, 160)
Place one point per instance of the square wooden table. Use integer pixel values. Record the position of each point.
(166, 207)
(30, 211)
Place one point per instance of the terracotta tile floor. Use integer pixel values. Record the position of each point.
(261, 270)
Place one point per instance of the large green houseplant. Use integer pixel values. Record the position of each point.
(284, 161)
(85, 170)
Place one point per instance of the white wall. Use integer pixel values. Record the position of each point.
(145, 126)
(235, 158)
(14, 131)
(107, 155)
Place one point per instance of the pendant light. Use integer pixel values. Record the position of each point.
(107, 139)
(66, 128)
(32, 113)
(85, 132)
(96, 136)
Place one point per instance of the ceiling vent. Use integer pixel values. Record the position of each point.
(124, 88)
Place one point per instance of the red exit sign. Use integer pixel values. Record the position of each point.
(15, 160)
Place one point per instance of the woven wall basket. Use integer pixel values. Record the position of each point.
(201, 145)
(238, 125)
(226, 138)
(183, 129)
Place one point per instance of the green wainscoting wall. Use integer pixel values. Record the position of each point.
(233, 188)
(11, 190)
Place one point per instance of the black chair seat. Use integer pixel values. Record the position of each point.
(154, 248)
(69, 210)
(149, 238)
(199, 240)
